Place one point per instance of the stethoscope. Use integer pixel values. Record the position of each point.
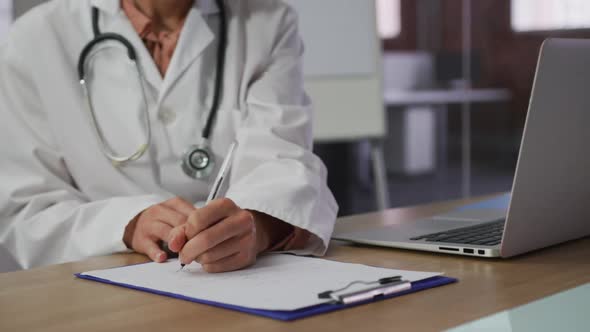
(197, 162)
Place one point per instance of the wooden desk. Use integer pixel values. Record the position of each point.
(52, 299)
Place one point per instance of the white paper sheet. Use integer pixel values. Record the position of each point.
(275, 282)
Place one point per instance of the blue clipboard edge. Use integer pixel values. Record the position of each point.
(284, 315)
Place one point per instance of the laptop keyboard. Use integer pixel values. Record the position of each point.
(489, 234)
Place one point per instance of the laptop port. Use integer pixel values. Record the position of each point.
(448, 249)
(481, 252)
(468, 251)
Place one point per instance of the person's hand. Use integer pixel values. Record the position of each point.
(144, 233)
(223, 237)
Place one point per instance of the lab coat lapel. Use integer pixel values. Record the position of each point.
(195, 37)
(113, 19)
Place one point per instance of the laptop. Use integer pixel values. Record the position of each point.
(550, 198)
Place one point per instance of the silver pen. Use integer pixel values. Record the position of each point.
(221, 175)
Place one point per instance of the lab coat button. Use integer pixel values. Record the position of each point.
(167, 116)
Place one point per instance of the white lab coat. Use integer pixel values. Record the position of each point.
(60, 197)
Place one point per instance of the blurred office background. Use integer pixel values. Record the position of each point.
(428, 48)
(456, 79)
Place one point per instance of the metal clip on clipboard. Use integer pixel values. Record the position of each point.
(381, 287)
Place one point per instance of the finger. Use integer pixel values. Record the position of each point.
(231, 263)
(167, 215)
(225, 249)
(236, 225)
(203, 218)
(177, 238)
(180, 205)
(159, 230)
(152, 250)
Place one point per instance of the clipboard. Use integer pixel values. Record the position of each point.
(299, 313)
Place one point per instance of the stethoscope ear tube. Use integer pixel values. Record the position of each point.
(116, 160)
(219, 71)
(97, 40)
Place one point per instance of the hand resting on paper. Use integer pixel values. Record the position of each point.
(153, 225)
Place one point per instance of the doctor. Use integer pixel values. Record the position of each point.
(120, 162)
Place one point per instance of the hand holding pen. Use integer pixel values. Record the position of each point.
(220, 236)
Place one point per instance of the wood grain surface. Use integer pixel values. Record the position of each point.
(52, 299)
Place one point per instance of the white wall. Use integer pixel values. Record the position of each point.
(342, 76)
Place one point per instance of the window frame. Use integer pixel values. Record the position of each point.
(405, 39)
(566, 32)
(401, 27)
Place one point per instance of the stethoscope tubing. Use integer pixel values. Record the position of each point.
(118, 160)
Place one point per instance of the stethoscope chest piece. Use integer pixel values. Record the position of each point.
(198, 162)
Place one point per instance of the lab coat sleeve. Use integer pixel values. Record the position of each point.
(275, 170)
(44, 219)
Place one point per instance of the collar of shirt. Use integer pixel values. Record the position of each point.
(161, 44)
